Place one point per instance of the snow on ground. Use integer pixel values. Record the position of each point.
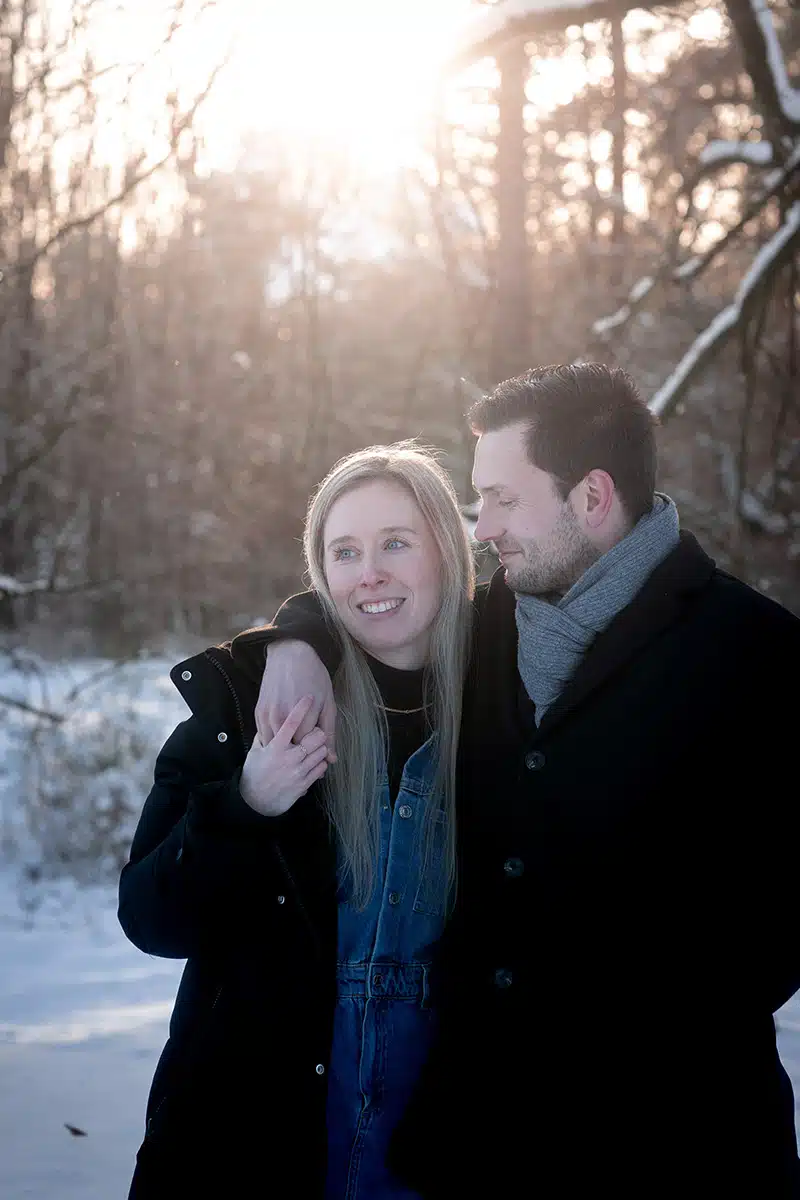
(83, 1017)
(83, 1014)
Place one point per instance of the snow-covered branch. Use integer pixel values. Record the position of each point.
(771, 255)
(718, 153)
(637, 295)
(690, 269)
(14, 587)
(788, 96)
(487, 31)
(765, 64)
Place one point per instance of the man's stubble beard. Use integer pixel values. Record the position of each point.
(551, 569)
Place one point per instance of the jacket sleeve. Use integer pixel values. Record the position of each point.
(201, 860)
(301, 617)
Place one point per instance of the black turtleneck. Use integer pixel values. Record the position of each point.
(407, 730)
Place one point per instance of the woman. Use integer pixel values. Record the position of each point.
(306, 896)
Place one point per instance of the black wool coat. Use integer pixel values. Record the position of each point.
(237, 1105)
(627, 912)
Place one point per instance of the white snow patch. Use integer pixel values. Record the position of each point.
(605, 324)
(15, 587)
(688, 269)
(757, 154)
(83, 1018)
(641, 288)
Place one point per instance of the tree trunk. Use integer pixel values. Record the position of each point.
(617, 127)
(510, 352)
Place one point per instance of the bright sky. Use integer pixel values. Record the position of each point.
(356, 75)
(339, 80)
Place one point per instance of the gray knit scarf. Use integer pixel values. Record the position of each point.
(553, 638)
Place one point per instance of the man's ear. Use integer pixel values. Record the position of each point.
(598, 497)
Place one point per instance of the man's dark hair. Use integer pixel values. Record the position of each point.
(579, 418)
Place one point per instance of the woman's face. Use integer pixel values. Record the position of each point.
(383, 570)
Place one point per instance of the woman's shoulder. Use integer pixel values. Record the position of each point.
(214, 685)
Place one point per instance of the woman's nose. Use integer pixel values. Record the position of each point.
(372, 573)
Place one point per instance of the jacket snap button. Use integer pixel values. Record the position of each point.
(513, 867)
(222, 737)
(186, 676)
(503, 978)
(320, 1069)
(394, 897)
(404, 811)
(281, 899)
(534, 760)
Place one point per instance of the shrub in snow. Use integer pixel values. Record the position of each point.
(75, 781)
(86, 781)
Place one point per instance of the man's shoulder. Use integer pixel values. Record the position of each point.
(729, 594)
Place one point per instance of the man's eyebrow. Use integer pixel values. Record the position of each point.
(350, 537)
(493, 487)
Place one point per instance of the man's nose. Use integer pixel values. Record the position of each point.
(486, 528)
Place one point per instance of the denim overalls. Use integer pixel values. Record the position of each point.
(383, 1023)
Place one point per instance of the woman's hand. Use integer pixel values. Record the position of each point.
(275, 776)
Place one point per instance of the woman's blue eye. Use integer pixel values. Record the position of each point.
(506, 503)
(343, 552)
(396, 542)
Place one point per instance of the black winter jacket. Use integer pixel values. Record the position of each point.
(237, 1105)
(627, 911)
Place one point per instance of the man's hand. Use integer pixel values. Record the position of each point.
(274, 777)
(295, 670)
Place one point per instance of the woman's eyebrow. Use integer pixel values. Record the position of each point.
(351, 537)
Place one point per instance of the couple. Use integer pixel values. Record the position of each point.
(523, 930)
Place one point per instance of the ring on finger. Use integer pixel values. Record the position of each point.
(305, 752)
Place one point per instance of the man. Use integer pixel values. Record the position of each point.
(625, 921)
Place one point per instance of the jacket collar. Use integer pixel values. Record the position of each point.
(657, 605)
(215, 688)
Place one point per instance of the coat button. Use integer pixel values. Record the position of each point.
(186, 676)
(513, 867)
(394, 897)
(320, 1069)
(503, 978)
(281, 899)
(404, 811)
(534, 760)
(222, 737)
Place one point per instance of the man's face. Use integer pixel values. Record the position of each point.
(538, 536)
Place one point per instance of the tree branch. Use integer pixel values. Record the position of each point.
(768, 260)
(179, 126)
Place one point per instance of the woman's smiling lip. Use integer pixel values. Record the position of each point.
(395, 602)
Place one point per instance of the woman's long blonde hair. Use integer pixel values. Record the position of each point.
(351, 784)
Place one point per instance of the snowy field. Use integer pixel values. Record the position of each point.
(83, 1014)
